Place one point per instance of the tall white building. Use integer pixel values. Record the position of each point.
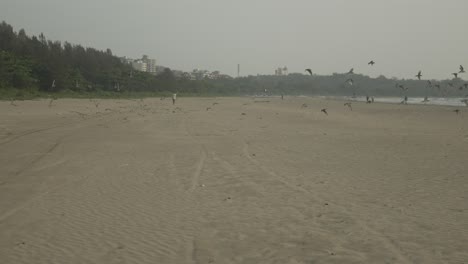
(151, 66)
(140, 65)
(144, 64)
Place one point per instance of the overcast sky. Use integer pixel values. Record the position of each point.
(402, 36)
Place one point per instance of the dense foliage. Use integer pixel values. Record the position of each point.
(35, 65)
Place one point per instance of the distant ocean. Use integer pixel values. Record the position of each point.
(452, 101)
(414, 100)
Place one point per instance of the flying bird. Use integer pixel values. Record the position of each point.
(419, 75)
(324, 110)
(351, 71)
(309, 71)
(455, 74)
(371, 63)
(348, 104)
(462, 70)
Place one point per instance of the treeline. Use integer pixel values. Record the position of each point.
(35, 63)
(37, 66)
(34, 66)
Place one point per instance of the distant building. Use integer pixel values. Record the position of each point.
(281, 71)
(126, 60)
(139, 65)
(150, 64)
(144, 64)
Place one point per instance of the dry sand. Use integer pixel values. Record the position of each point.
(130, 181)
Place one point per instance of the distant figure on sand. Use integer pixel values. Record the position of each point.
(174, 97)
(282, 97)
(405, 100)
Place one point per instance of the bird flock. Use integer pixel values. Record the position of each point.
(419, 75)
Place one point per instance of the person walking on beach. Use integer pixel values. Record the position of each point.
(174, 97)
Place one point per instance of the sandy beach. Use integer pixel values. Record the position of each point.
(232, 180)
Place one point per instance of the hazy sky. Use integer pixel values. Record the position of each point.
(402, 36)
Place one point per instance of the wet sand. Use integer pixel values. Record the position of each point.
(143, 181)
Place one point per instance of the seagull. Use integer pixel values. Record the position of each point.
(462, 70)
(455, 74)
(419, 75)
(351, 71)
(309, 71)
(324, 110)
(371, 63)
(348, 104)
(350, 81)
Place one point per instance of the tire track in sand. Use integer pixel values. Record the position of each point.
(201, 162)
(198, 171)
(39, 158)
(387, 243)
